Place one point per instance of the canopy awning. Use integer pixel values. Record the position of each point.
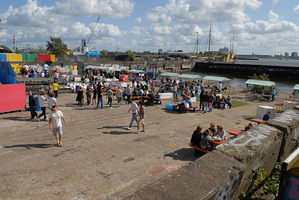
(215, 78)
(103, 68)
(169, 74)
(260, 83)
(296, 87)
(189, 76)
(136, 71)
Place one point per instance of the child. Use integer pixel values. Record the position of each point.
(55, 124)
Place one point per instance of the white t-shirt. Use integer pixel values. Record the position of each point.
(52, 102)
(134, 108)
(46, 67)
(41, 101)
(56, 118)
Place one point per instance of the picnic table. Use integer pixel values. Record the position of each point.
(259, 121)
(206, 150)
(218, 143)
(234, 132)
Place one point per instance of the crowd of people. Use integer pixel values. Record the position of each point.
(44, 71)
(204, 140)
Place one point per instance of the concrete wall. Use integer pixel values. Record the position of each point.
(227, 172)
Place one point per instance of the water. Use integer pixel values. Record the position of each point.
(239, 82)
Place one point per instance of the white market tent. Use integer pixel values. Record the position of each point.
(169, 74)
(189, 76)
(103, 68)
(215, 78)
(260, 83)
(136, 71)
(296, 87)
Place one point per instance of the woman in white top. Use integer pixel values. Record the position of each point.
(52, 101)
(220, 133)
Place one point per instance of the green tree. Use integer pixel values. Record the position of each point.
(131, 55)
(262, 77)
(104, 52)
(56, 46)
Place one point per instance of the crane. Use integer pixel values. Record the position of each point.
(84, 43)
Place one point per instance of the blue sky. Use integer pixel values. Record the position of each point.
(261, 27)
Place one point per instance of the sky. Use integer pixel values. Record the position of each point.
(253, 26)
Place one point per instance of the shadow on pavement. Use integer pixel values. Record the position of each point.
(120, 127)
(17, 118)
(185, 154)
(116, 133)
(29, 146)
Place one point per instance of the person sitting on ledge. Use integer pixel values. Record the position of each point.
(196, 139)
(267, 116)
(229, 102)
(206, 140)
(249, 126)
(220, 133)
(212, 128)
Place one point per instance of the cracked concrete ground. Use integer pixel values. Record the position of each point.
(100, 159)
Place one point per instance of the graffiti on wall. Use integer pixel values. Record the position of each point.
(252, 137)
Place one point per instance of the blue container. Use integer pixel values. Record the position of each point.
(36, 105)
(169, 106)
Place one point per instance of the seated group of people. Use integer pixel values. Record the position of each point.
(220, 102)
(186, 103)
(205, 140)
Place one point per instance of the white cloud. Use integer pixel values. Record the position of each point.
(273, 25)
(138, 20)
(296, 10)
(158, 16)
(210, 11)
(32, 23)
(109, 8)
(276, 1)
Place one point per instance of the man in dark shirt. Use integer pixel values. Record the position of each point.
(212, 128)
(267, 116)
(32, 105)
(196, 139)
(206, 99)
(100, 96)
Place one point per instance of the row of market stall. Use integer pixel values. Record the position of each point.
(13, 57)
(249, 83)
(194, 76)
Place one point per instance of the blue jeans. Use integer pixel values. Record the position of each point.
(100, 99)
(205, 106)
(133, 118)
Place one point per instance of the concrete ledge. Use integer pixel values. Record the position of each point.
(213, 176)
(288, 123)
(257, 148)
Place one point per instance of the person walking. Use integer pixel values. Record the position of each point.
(80, 96)
(100, 96)
(118, 96)
(94, 96)
(88, 94)
(52, 101)
(42, 104)
(109, 96)
(141, 115)
(55, 124)
(134, 109)
(55, 87)
(32, 106)
(128, 93)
